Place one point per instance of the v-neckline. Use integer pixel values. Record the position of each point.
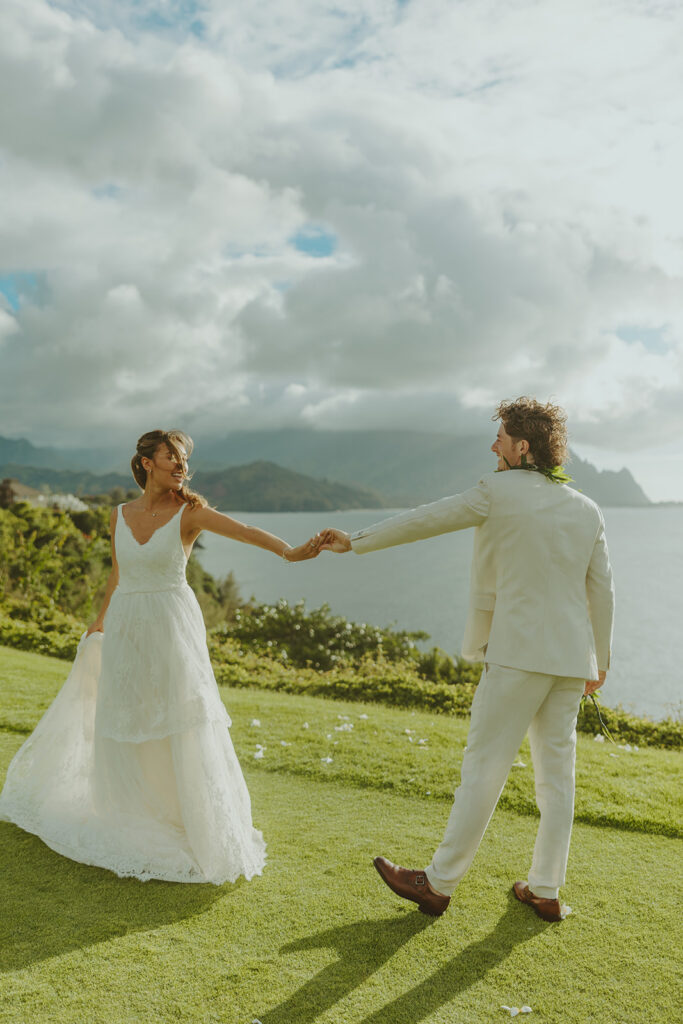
(144, 544)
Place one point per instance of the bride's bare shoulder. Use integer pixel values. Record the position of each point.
(194, 516)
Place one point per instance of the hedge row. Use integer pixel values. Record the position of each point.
(397, 685)
(375, 680)
(27, 636)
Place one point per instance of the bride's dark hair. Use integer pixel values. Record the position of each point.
(180, 445)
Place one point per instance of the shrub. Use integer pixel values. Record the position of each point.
(219, 600)
(316, 639)
(27, 636)
(375, 680)
(398, 684)
(627, 728)
(59, 561)
(46, 559)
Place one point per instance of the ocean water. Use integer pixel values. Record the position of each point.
(424, 586)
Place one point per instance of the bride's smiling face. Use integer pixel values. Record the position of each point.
(168, 470)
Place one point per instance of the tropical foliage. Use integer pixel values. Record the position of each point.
(54, 565)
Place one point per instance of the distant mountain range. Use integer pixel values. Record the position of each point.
(265, 487)
(371, 469)
(406, 467)
(258, 487)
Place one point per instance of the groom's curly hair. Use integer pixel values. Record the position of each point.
(543, 426)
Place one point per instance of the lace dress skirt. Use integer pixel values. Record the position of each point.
(132, 767)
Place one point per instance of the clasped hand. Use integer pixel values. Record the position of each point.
(326, 540)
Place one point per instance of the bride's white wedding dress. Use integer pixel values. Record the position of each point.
(132, 767)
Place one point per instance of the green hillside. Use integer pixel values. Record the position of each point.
(258, 487)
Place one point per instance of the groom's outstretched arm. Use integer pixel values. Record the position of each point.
(458, 512)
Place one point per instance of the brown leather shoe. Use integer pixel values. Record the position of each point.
(549, 910)
(412, 885)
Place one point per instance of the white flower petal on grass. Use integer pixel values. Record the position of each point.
(284, 743)
(512, 1010)
(305, 726)
(599, 738)
(410, 739)
(614, 755)
(259, 753)
(408, 732)
(344, 727)
(326, 760)
(526, 1009)
(421, 743)
(429, 792)
(565, 910)
(256, 723)
(344, 718)
(364, 716)
(328, 736)
(519, 764)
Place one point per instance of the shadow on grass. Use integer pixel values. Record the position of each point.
(362, 947)
(365, 946)
(51, 904)
(469, 966)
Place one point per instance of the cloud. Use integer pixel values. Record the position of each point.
(373, 214)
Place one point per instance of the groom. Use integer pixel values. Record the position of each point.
(540, 617)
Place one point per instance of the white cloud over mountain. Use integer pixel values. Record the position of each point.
(373, 213)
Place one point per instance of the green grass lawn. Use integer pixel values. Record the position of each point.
(318, 938)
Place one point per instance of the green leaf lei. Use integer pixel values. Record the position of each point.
(555, 473)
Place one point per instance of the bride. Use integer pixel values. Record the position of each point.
(132, 767)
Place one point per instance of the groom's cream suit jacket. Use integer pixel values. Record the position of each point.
(541, 592)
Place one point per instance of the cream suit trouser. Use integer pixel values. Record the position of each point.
(507, 704)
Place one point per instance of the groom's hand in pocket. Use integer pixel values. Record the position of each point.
(335, 540)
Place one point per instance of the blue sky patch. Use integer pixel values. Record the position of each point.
(315, 242)
(108, 190)
(183, 14)
(653, 338)
(17, 286)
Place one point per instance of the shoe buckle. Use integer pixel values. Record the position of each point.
(420, 880)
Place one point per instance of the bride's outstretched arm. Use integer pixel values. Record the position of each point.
(199, 519)
(112, 582)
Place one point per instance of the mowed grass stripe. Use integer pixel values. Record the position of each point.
(318, 939)
(616, 788)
